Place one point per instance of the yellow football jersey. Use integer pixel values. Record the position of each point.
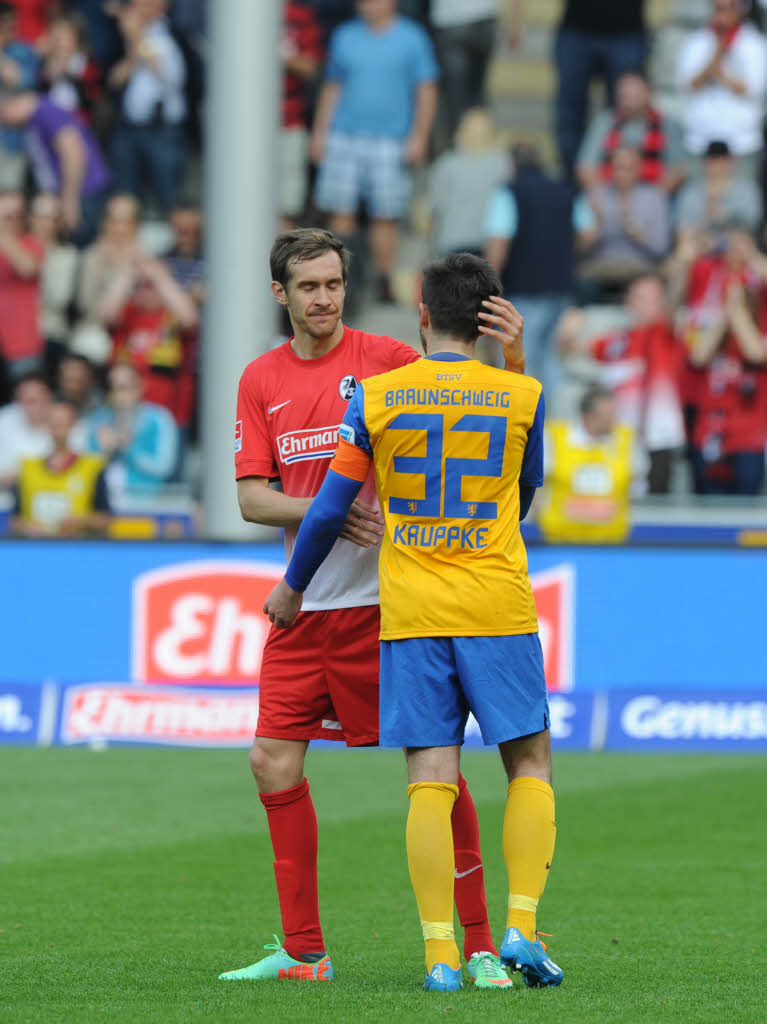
(449, 438)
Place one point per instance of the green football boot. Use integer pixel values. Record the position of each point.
(281, 966)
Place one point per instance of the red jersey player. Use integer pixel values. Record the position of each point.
(320, 679)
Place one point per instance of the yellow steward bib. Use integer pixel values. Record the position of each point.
(586, 500)
(48, 497)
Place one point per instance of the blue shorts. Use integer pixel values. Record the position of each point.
(430, 684)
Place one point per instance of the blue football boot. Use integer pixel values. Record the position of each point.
(530, 958)
(442, 978)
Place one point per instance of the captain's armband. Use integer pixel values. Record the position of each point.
(350, 461)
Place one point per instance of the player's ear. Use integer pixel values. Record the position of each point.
(279, 293)
(424, 320)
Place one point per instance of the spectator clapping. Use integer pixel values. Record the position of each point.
(708, 203)
(632, 228)
(153, 323)
(139, 440)
(725, 330)
(722, 71)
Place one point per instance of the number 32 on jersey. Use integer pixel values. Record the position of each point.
(443, 491)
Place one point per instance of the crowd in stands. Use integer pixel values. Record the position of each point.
(637, 261)
(102, 268)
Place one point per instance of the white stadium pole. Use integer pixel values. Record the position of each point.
(241, 119)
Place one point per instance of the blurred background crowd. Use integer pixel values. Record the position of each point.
(607, 158)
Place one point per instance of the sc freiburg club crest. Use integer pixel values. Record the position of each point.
(347, 387)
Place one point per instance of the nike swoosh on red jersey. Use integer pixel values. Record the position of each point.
(274, 408)
(462, 874)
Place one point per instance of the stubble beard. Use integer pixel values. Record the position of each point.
(320, 333)
(308, 325)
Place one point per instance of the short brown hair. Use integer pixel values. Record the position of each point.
(453, 290)
(302, 244)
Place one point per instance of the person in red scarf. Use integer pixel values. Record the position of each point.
(636, 123)
(722, 69)
(641, 365)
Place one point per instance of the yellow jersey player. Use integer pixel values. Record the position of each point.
(458, 452)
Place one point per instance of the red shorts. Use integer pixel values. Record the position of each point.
(319, 679)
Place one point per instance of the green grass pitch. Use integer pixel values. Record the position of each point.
(130, 878)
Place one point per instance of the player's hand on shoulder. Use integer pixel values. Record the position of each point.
(501, 321)
(363, 526)
(283, 605)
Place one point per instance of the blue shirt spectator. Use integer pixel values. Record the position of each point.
(140, 439)
(379, 73)
(372, 124)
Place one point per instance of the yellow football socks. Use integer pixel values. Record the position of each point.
(432, 865)
(529, 832)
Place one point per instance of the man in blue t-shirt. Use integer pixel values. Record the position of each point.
(374, 118)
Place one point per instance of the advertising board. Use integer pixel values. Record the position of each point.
(187, 614)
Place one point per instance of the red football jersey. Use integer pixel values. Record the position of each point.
(288, 414)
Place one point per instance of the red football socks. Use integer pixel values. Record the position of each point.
(293, 828)
(470, 898)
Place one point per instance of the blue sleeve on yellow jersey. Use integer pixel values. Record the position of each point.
(321, 527)
(353, 428)
(531, 474)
